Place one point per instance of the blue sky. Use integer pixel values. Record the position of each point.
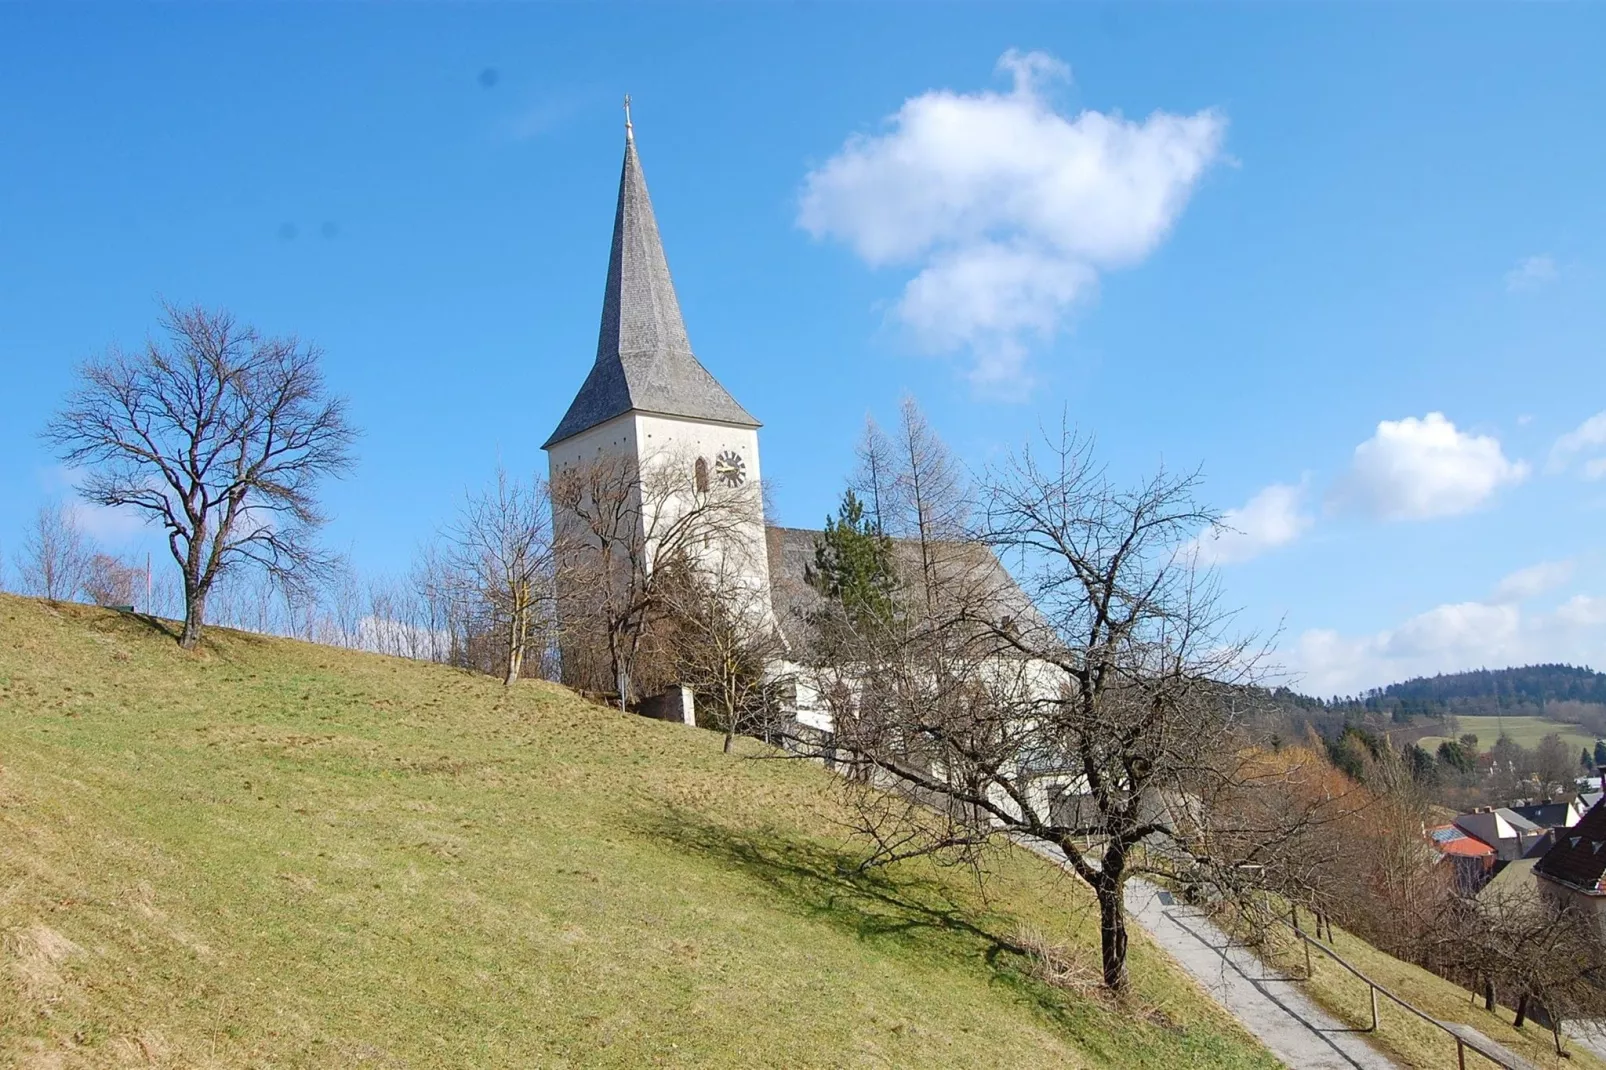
(1268, 240)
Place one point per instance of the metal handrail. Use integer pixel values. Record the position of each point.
(1462, 1044)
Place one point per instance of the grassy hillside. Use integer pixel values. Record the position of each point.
(1526, 730)
(271, 853)
(1411, 1041)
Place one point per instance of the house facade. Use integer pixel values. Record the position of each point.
(1572, 873)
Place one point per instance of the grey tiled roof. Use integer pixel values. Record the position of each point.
(1545, 815)
(988, 584)
(1484, 827)
(644, 359)
(1579, 855)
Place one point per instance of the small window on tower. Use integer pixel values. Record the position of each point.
(701, 473)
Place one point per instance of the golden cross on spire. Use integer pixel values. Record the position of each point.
(630, 131)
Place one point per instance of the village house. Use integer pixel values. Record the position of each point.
(1571, 873)
(1507, 832)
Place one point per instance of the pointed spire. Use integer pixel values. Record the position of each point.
(644, 359)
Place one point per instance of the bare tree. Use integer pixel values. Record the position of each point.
(877, 473)
(925, 496)
(445, 614)
(54, 562)
(221, 436)
(1546, 956)
(724, 644)
(110, 581)
(1555, 765)
(1097, 713)
(502, 546)
(620, 529)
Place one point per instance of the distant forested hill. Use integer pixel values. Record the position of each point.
(1567, 693)
(1529, 685)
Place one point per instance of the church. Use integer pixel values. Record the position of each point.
(648, 397)
(648, 400)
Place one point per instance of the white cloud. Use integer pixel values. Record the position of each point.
(1007, 208)
(106, 524)
(1531, 273)
(111, 526)
(1414, 469)
(1274, 517)
(1588, 437)
(1582, 611)
(1450, 638)
(1533, 581)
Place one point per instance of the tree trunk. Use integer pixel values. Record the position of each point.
(515, 648)
(194, 618)
(730, 738)
(1522, 1011)
(1488, 993)
(1112, 932)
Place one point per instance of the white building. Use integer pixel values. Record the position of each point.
(650, 401)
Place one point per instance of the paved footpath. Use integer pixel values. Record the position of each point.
(1273, 1008)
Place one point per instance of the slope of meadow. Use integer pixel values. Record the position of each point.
(273, 853)
(1410, 1041)
(1526, 730)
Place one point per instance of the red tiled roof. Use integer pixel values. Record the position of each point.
(1448, 839)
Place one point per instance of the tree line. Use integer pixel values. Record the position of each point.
(1567, 693)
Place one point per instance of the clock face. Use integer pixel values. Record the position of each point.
(730, 469)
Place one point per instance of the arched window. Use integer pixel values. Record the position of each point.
(700, 471)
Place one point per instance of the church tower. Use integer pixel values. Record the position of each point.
(647, 399)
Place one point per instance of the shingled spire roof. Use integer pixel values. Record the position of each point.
(644, 359)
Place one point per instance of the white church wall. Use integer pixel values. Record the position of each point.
(665, 440)
(810, 705)
(615, 438)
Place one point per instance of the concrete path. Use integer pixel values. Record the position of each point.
(1591, 1036)
(1296, 1030)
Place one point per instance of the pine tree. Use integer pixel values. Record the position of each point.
(853, 565)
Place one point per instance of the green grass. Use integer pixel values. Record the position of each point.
(1527, 731)
(1407, 1038)
(270, 853)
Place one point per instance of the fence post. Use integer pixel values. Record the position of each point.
(1372, 991)
(1460, 1054)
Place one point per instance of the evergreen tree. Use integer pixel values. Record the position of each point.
(853, 565)
(1421, 764)
(1456, 756)
(1600, 754)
